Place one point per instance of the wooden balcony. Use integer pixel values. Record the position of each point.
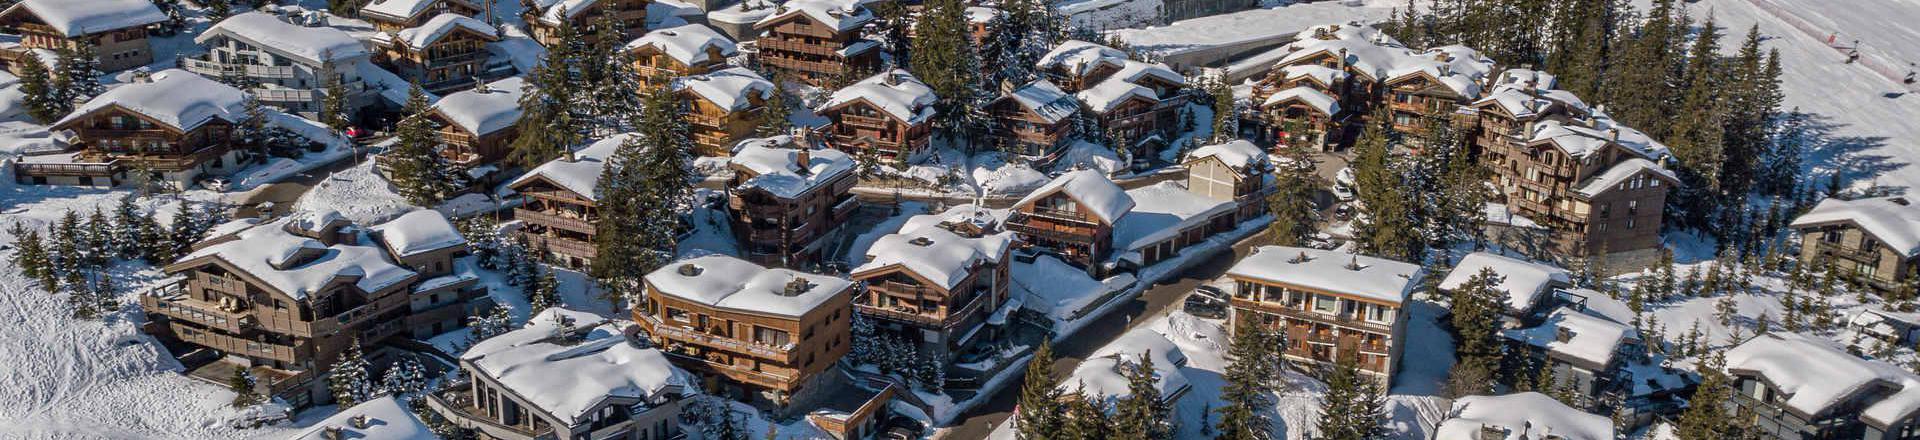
(558, 221)
(680, 333)
(563, 246)
(1341, 320)
(236, 345)
(1050, 226)
(928, 318)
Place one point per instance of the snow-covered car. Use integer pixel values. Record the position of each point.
(216, 184)
(1343, 184)
(1206, 302)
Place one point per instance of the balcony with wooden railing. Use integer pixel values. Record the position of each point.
(943, 317)
(556, 219)
(236, 345)
(1346, 320)
(685, 334)
(563, 246)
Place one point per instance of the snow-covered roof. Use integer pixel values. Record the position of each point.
(1308, 95)
(1103, 97)
(732, 88)
(896, 92)
(1523, 102)
(731, 283)
(1077, 58)
(1458, 68)
(1332, 271)
(484, 111)
(384, 417)
(1161, 211)
(1620, 172)
(440, 26)
(739, 14)
(1591, 341)
(264, 251)
(1092, 190)
(403, 9)
(420, 231)
(1326, 75)
(550, 9)
(580, 175)
(840, 15)
(82, 17)
(597, 364)
(1892, 220)
(1523, 77)
(774, 163)
(1525, 284)
(1814, 376)
(986, 219)
(982, 14)
(688, 44)
(1045, 100)
(173, 97)
(310, 45)
(1104, 375)
(1238, 153)
(1524, 416)
(936, 254)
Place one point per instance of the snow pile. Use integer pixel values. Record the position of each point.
(1814, 376)
(1523, 416)
(384, 418)
(1078, 58)
(1055, 287)
(895, 92)
(1083, 155)
(1091, 190)
(580, 175)
(1891, 220)
(1338, 272)
(1163, 210)
(75, 18)
(297, 266)
(419, 232)
(598, 361)
(177, 98)
(733, 88)
(1524, 284)
(731, 283)
(689, 44)
(311, 45)
(1104, 375)
(1275, 24)
(779, 170)
(427, 33)
(1111, 14)
(484, 111)
(738, 14)
(360, 193)
(936, 254)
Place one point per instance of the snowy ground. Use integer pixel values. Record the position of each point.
(1865, 119)
(359, 193)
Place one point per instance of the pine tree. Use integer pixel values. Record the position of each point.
(218, 10)
(184, 232)
(550, 127)
(1248, 393)
(81, 68)
(1706, 415)
(1140, 415)
(99, 249)
(348, 380)
(1354, 407)
(492, 324)
(773, 120)
(1788, 144)
(1477, 305)
(1087, 419)
(67, 239)
(1697, 133)
(1226, 113)
(127, 221)
(418, 172)
(1294, 216)
(1040, 411)
(30, 255)
(176, 17)
(405, 378)
(39, 93)
(1641, 85)
(333, 104)
(943, 58)
(241, 384)
(543, 293)
(1388, 228)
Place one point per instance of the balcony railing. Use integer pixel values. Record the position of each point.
(563, 246)
(570, 223)
(457, 405)
(676, 332)
(1343, 320)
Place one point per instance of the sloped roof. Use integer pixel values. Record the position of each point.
(1892, 220)
(1099, 195)
(263, 252)
(83, 17)
(418, 232)
(1308, 95)
(731, 283)
(598, 365)
(1814, 376)
(176, 98)
(1362, 276)
(1524, 416)
(310, 45)
(1045, 100)
(1525, 281)
(732, 88)
(688, 44)
(483, 112)
(1619, 173)
(440, 26)
(841, 15)
(896, 92)
(936, 254)
(582, 174)
(775, 165)
(1238, 153)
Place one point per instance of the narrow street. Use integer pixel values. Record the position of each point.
(1152, 303)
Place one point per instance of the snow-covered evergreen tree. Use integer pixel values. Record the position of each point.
(81, 66)
(39, 93)
(30, 255)
(494, 323)
(127, 222)
(349, 380)
(241, 383)
(418, 172)
(405, 378)
(98, 247)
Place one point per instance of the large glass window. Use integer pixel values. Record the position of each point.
(1326, 304)
(769, 336)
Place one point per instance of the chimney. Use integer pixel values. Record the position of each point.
(1613, 134)
(1446, 69)
(359, 421)
(892, 79)
(802, 156)
(333, 433)
(1006, 87)
(480, 86)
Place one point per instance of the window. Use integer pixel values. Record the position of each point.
(1326, 304)
(678, 315)
(769, 336)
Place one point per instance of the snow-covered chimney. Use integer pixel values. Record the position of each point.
(333, 433)
(1343, 59)
(802, 156)
(892, 79)
(1613, 134)
(359, 421)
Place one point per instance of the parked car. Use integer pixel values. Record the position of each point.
(1206, 302)
(1343, 184)
(219, 184)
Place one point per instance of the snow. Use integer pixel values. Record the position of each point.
(839, 15)
(777, 170)
(1104, 375)
(483, 112)
(1241, 28)
(1308, 95)
(1374, 279)
(600, 365)
(580, 175)
(1161, 211)
(84, 17)
(936, 254)
(739, 14)
(688, 44)
(731, 283)
(1085, 155)
(1525, 284)
(895, 92)
(1238, 153)
(1618, 175)
(1327, 76)
(398, 8)
(732, 88)
(310, 45)
(261, 252)
(550, 9)
(1499, 214)
(1077, 58)
(1524, 416)
(1056, 288)
(385, 418)
(982, 14)
(1091, 189)
(1103, 97)
(1891, 220)
(441, 25)
(419, 232)
(359, 193)
(1110, 14)
(167, 101)
(1045, 100)
(1593, 340)
(1812, 375)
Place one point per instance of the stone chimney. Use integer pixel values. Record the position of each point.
(892, 79)
(802, 156)
(359, 421)
(1343, 59)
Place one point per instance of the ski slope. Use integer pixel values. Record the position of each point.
(1868, 122)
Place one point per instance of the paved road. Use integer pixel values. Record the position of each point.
(1154, 302)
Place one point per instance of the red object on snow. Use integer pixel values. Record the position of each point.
(354, 132)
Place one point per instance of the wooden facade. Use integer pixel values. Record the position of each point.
(1841, 244)
(558, 220)
(114, 49)
(789, 231)
(1033, 130)
(799, 46)
(942, 321)
(383, 21)
(1057, 221)
(128, 140)
(770, 355)
(544, 22)
(862, 128)
(1322, 325)
(454, 61)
